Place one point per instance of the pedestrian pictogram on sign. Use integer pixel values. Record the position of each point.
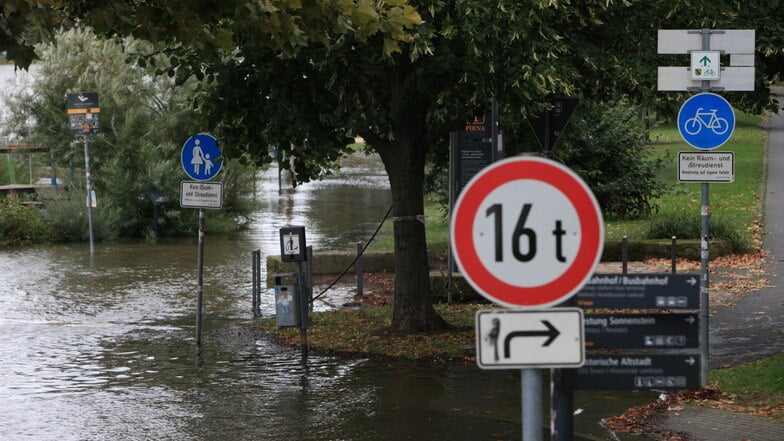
(201, 157)
(527, 231)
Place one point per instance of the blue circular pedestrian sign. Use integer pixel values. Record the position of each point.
(706, 121)
(201, 158)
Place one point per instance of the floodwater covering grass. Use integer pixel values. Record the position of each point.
(756, 386)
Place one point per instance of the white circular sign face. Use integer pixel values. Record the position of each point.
(527, 232)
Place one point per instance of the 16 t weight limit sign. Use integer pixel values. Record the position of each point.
(527, 232)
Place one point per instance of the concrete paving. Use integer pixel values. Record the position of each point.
(706, 424)
(754, 327)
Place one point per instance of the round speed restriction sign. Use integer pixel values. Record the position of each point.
(527, 232)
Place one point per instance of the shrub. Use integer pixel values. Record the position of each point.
(21, 224)
(603, 144)
(144, 121)
(67, 215)
(685, 226)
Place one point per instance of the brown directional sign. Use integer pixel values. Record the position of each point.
(639, 372)
(641, 331)
(640, 291)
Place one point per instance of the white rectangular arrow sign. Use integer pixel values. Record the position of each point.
(678, 79)
(518, 339)
(729, 41)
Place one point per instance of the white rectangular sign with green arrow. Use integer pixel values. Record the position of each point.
(705, 65)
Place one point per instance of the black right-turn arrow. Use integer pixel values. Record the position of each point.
(551, 332)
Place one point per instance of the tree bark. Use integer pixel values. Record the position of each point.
(404, 160)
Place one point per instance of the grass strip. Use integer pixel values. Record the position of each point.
(365, 332)
(755, 387)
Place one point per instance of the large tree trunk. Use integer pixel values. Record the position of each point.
(404, 160)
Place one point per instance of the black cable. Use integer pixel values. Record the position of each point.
(355, 258)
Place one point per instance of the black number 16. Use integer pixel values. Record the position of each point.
(521, 230)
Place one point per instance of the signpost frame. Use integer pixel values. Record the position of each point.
(560, 201)
(201, 160)
(83, 109)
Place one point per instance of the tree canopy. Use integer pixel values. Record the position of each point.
(144, 120)
(197, 30)
(402, 75)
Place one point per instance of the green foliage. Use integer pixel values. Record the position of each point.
(144, 120)
(195, 31)
(21, 224)
(603, 145)
(759, 383)
(67, 216)
(688, 226)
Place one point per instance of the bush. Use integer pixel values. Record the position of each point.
(604, 145)
(67, 215)
(685, 226)
(144, 121)
(21, 224)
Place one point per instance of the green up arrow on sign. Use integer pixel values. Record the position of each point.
(705, 65)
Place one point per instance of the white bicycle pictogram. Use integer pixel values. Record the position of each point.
(695, 124)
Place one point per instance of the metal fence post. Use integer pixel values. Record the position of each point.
(624, 254)
(360, 268)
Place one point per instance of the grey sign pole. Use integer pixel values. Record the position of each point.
(88, 185)
(83, 119)
(705, 86)
(200, 278)
(531, 380)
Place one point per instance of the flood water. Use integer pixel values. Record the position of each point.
(103, 347)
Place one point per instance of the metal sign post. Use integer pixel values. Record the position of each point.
(706, 46)
(293, 248)
(83, 119)
(90, 194)
(531, 380)
(528, 232)
(200, 278)
(201, 159)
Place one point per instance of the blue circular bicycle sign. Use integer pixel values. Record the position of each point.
(201, 158)
(706, 121)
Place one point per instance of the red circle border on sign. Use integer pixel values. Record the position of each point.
(584, 203)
